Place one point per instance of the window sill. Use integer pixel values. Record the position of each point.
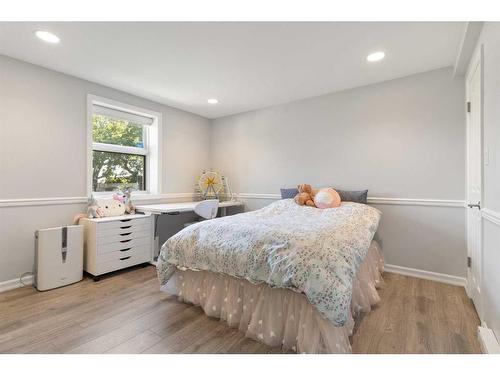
(141, 197)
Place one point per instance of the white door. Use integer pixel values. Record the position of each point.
(474, 179)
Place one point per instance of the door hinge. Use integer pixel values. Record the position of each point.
(469, 262)
(468, 107)
(472, 205)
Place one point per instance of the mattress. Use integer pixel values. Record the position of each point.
(316, 252)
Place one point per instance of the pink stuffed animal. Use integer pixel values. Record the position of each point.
(327, 198)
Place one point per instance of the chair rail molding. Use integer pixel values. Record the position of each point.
(42, 201)
(83, 200)
(19, 202)
(376, 200)
(491, 216)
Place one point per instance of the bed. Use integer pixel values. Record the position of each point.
(286, 275)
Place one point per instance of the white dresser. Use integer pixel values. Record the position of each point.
(113, 243)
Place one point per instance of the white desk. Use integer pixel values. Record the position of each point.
(175, 209)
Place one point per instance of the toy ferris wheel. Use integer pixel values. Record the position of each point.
(210, 184)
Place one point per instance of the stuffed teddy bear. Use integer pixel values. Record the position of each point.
(305, 196)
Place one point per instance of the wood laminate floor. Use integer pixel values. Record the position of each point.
(126, 313)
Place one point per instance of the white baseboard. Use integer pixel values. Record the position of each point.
(427, 275)
(15, 283)
(488, 340)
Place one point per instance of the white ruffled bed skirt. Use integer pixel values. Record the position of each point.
(275, 316)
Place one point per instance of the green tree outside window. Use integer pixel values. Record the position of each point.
(115, 170)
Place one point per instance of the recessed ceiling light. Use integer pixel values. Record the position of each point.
(375, 56)
(212, 101)
(47, 37)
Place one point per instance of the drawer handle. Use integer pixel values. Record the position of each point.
(126, 249)
(124, 258)
(125, 234)
(123, 241)
(125, 220)
(128, 226)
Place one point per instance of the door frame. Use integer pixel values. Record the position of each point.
(475, 63)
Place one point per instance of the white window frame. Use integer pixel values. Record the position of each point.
(152, 150)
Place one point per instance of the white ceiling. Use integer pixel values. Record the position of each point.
(245, 65)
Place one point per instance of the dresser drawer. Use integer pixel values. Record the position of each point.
(116, 246)
(123, 253)
(136, 227)
(122, 224)
(122, 237)
(123, 262)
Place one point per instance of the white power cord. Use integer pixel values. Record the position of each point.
(24, 275)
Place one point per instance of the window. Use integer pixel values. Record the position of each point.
(125, 148)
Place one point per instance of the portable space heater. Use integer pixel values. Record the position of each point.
(58, 256)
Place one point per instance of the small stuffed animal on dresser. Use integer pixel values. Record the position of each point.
(93, 209)
(104, 207)
(129, 207)
(114, 206)
(305, 196)
(117, 205)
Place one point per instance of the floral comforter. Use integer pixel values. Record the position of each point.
(313, 251)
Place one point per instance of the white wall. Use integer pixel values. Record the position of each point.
(490, 289)
(400, 139)
(43, 151)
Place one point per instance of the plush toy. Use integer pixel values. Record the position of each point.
(104, 207)
(93, 209)
(114, 206)
(305, 196)
(327, 198)
(119, 197)
(77, 217)
(129, 207)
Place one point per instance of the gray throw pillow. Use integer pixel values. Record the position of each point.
(289, 193)
(346, 195)
(360, 196)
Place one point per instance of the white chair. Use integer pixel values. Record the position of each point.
(206, 209)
